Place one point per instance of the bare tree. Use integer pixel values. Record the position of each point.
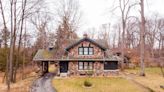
(150, 33)
(160, 39)
(19, 10)
(125, 7)
(104, 33)
(40, 20)
(142, 39)
(24, 2)
(69, 16)
(68, 23)
(5, 37)
(11, 46)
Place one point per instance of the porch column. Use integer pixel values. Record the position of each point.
(45, 67)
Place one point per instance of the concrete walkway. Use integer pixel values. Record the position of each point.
(43, 84)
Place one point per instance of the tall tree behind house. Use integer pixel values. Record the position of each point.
(124, 6)
(69, 20)
(41, 20)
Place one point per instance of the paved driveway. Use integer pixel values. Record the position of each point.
(43, 84)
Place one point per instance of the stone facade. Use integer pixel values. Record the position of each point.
(98, 66)
(98, 69)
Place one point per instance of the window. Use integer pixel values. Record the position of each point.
(85, 51)
(85, 65)
(80, 65)
(80, 51)
(90, 50)
(110, 65)
(90, 65)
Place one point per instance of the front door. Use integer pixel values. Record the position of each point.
(63, 66)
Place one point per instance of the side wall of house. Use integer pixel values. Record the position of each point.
(98, 52)
(98, 69)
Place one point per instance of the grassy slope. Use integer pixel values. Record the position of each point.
(110, 84)
(153, 78)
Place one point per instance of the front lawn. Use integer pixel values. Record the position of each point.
(152, 80)
(148, 70)
(103, 84)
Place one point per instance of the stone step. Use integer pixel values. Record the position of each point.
(63, 74)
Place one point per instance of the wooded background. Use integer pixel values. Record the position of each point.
(29, 25)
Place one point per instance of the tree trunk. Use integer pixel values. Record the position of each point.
(11, 46)
(159, 52)
(20, 38)
(142, 39)
(123, 42)
(15, 29)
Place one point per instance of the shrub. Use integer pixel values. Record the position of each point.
(87, 83)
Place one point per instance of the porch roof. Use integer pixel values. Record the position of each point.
(43, 58)
(48, 55)
(76, 60)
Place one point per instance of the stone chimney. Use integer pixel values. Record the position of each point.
(85, 35)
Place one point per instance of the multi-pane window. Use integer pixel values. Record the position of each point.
(85, 51)
(81, 51)
(85, 65)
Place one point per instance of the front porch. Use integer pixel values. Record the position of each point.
(82, 67)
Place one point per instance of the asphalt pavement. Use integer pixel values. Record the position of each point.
(43, 84)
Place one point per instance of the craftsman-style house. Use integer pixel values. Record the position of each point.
(81, 57)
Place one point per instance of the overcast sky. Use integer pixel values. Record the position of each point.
(97, 12)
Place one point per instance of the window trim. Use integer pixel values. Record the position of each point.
(88, 51)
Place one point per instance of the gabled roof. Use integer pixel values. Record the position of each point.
(100, 43)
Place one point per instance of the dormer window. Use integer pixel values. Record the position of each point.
(85, 50)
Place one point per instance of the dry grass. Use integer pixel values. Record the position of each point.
(20, 85)
(153, 78)
(100, 84)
